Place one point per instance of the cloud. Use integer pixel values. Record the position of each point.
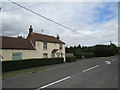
(63, 0)
(79, 16)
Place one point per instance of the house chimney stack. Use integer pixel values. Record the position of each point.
(58, 37)
(30, 29)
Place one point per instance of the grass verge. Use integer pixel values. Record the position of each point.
(22, 72)
(36, 69)
(96, 58)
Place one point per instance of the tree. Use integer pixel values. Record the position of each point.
(79, 46)
(103, 51)
(114, 48)
(19, 36)
(98, 50)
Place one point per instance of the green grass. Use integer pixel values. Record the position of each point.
(95, 58)
(22, 72)
(37, 69)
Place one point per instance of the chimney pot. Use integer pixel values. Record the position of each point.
(58, 37)
(30, 29)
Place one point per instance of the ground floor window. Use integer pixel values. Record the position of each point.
(58, 54)
(16, 56)
(45, 55)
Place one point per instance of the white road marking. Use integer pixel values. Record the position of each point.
(107, 62)
(54, 83)
(113, 59)
(90, 68)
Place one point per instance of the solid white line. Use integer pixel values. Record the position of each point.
(54, 83)
(90, 68)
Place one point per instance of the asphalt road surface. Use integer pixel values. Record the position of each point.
(93, 73)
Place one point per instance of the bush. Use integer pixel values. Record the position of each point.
(29, 63)
(86, 55)
(70, 59)
(103, 51)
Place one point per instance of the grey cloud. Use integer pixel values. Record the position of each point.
(74, 16)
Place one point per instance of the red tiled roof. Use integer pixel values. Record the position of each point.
(15, 43)
(19, 43)
(45, 38)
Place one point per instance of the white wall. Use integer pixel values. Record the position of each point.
(38, 53)
(50, 47)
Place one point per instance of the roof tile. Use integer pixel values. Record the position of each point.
(45, 38)
(19, 43)
(15, 43)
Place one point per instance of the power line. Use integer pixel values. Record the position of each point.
(51, 20)
(4, 11)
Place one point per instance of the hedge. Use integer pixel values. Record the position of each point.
(29, 63)
(86, 55)
(70, 59)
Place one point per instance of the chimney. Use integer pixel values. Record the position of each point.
(30, 29)
(58, 37)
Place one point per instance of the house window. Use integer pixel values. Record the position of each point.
(45, 45)
(60, 46)
(45, 55)
(58, 54)
(16, 56)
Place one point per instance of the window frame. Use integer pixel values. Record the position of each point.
(45, 47)
(45, 54)
(60, 46)
(58, 54)
(17, 55)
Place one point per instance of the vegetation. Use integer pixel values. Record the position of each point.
(70, 59)
(91, 51)
(20, 37)
(29, 63)
(84, 55)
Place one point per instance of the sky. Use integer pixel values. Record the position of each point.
(95, 19)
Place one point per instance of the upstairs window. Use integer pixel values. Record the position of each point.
(60, 46)
(44, 45)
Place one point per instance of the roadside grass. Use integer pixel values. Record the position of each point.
(22, 72)
(37, 69)
(95, 58)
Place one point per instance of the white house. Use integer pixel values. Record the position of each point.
(34, 46)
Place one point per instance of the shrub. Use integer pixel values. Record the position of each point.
(29, 63)
(86, 55)
(103, 51)
(70, 59)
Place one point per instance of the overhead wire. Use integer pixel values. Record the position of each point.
(52, 20)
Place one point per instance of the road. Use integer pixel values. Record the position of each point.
(93, 73)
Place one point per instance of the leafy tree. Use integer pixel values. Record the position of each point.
(114, 48)
(103, 51)
(19, 36)
(79, 46)
(98, 50)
